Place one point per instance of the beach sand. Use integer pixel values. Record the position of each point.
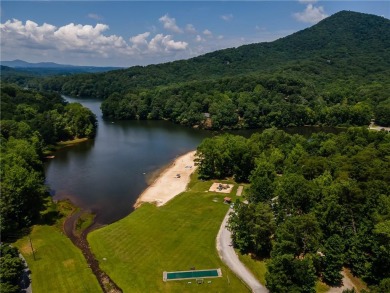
(168, 184)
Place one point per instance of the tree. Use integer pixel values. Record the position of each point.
(287, 274)
(298, 235)
(262, 179)
(295, 194)
(22, 185)
(382, 114)
(333, 260)
(11, 269)
(252, 228)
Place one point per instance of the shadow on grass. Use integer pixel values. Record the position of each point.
(49, 218)
(16, 235)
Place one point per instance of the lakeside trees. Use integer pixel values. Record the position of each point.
(30, 122)
(252, 101)
(314, 205)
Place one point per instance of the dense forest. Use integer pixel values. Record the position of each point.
(254, 101)
(314, 204)
(333, 73)
(30, 122)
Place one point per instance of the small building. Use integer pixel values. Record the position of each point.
(227, 200)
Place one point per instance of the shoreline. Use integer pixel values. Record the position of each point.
(63, 144)
(167, 183)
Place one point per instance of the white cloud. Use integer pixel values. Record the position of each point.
(94, 16)
(72, 37)
(165, 43)
(311, 14)
(207, 33)
(220, 37)
(227, 17)
(173, 45)
(80, 41)
(87, 38)
(170, 24)
(307, 1)
(190, 29)
(140, 40)
(260, 28)
(199, 38)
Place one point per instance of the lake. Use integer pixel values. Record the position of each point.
(106, 175)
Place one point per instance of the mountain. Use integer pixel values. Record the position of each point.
(346, 41)
(23, 64)
(6, 68)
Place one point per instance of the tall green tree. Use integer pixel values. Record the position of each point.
(287, 274)
(252, 228)
(11, 269)
(333, 260)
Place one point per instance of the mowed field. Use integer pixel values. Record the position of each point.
(59, 266)
(136, 250)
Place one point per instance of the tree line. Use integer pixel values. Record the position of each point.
(314, 204)
(253, 101)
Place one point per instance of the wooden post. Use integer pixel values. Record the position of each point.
(32, 249)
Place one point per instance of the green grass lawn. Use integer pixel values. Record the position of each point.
(174, 237)
(59, 265)
(257, 267)
(321, 287)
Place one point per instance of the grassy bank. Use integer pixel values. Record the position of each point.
(63, 144)
(257, 267)
(137, 249)
(58, 266)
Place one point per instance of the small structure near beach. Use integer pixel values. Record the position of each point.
(220, 187)
(227, 200)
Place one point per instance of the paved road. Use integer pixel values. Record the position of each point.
(229, 257)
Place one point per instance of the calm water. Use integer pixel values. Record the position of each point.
(106, 175)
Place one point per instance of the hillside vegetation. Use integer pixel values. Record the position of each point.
(333, 73)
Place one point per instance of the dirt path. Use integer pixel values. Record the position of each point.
(229, 257)
(107, 285)
(372, 126)
(347, 284)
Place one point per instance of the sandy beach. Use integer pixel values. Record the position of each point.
(172, 181)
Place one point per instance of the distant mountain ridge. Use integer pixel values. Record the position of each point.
(24, 64)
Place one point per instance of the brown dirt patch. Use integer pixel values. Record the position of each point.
(69, 263)
(221, 187)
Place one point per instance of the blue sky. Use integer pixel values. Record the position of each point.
(127, 33)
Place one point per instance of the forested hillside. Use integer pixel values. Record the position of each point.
(30, 121)
(334, 73)
(314, 205)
